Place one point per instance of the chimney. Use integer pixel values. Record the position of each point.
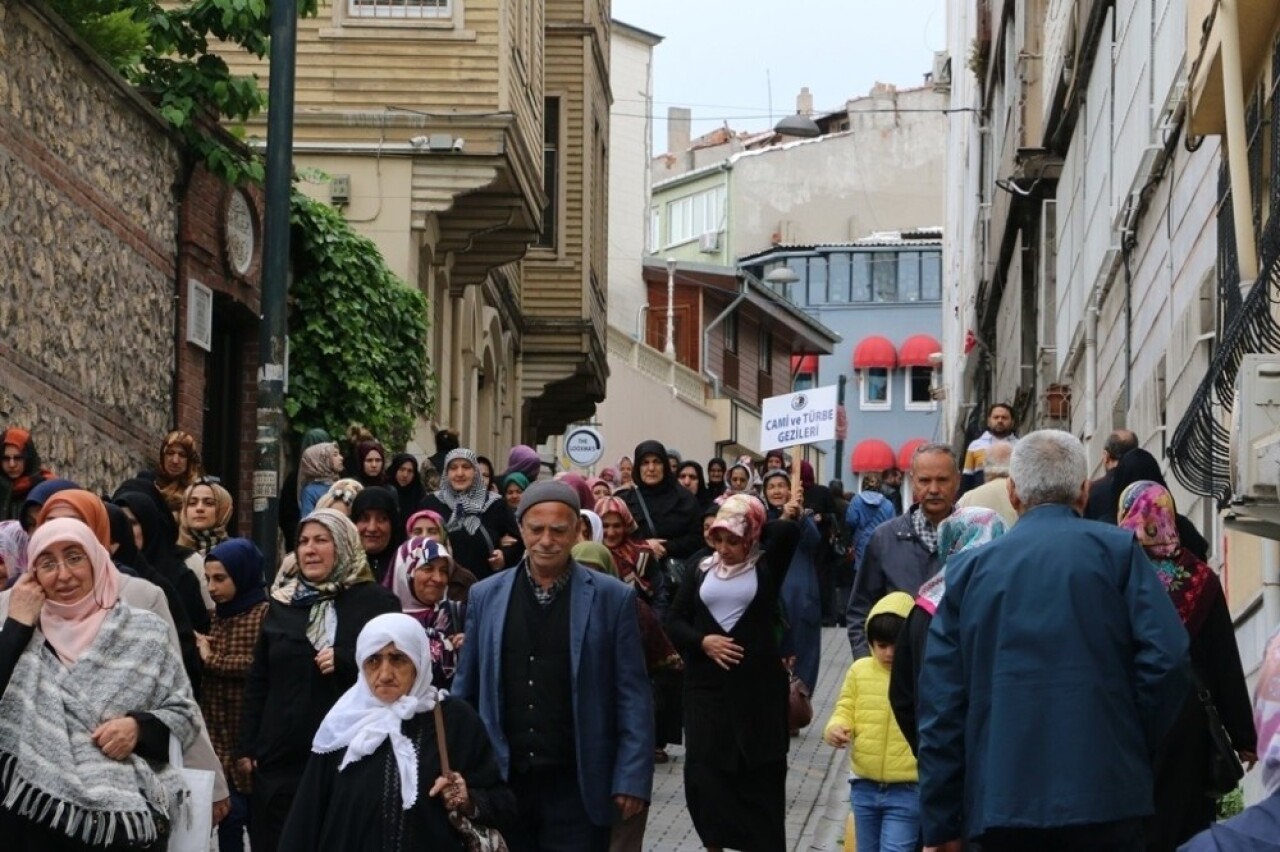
(679, 129)
(804, 102)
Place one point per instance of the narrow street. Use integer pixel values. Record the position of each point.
(817, 792)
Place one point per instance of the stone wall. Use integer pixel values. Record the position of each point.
(87, 254)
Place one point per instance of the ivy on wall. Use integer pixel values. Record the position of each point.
(357, 333)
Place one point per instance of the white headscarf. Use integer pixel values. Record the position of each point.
(360, 721)
(596, 524)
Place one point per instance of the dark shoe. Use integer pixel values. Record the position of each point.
(661, 756)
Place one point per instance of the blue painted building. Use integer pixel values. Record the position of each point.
(883, 295)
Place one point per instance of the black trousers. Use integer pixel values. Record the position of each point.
(273, 793)
(552, 815)
(1121, 836)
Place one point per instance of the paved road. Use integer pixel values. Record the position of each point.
(817, 789)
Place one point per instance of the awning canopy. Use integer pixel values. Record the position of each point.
(915, 351)
(871, 455)
(875, 351)
(908, 450)
(801, 364)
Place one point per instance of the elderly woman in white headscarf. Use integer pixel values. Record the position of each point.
(91, 692)
(375, 780)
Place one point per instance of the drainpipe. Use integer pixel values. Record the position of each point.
(1091, 369)
(1237, 143)
(1270, 584)
(706, 334)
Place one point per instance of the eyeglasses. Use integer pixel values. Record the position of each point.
(74, 561)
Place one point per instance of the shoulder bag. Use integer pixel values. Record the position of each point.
(1224, 771)
(476, 838)
(799, 707)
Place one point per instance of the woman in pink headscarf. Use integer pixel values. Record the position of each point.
(108, 691)
(724, 621)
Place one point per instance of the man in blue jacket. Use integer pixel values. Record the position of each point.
(553, 664)
(1050, 670)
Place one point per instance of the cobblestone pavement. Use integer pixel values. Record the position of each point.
(817, 789)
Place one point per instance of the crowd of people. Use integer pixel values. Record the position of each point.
(444, 651)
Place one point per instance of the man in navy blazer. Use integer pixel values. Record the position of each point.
(1054, 665)
(554, 666)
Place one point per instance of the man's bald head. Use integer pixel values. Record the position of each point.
(996, 463)
(1118, 443)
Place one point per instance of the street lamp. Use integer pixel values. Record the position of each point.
(780, 278)
(670, 349)
(799, 126)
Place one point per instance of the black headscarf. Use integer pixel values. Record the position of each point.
(1138, 465)
(703, 495)
(160, 552)
(410, 495)
(243, 561)
(675, 511)
(380, 499)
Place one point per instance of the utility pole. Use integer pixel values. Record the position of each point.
(272, 330)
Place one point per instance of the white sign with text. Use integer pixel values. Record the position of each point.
(804, 417)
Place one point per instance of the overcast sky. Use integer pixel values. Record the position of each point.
(721, 58)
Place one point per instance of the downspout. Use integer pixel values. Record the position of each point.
(706, 335)
(1091, 369)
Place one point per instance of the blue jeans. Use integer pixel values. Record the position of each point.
(885, 816)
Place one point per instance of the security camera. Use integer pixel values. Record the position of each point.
(420, 141)
(458, 143)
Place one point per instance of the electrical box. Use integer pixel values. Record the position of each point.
(1255, 432)
(340, 190)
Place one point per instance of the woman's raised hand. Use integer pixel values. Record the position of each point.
(456, 796)
(26, 600)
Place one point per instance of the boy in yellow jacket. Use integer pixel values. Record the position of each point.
(883, 793)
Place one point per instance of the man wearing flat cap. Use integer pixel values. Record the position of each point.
(553, 664)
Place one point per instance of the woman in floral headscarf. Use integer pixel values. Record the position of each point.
(13, 553)
(633, 561)
(966, 529)
(723, 621)
(1182, 759)
(303, 661)
(177, 468)
(483, 535)
(420, 579)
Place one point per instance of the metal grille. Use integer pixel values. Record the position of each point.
(433, 9)
(1228, 259)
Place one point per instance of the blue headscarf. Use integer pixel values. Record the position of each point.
(244, 564)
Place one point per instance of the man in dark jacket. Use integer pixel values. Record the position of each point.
(903, 553)
(1047, 677)
(1102, 502)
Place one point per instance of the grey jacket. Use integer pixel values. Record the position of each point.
(895, 561)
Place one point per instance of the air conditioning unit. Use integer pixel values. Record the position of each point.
(941, 75)
(1255, 446)
(709, 243)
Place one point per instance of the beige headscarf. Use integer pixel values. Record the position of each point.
(350, 568)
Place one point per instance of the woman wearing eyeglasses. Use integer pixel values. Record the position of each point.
(87, 707)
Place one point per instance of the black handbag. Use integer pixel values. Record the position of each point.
(1224, 771)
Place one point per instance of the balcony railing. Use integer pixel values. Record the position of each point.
(652, 363)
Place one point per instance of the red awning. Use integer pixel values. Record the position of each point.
(802, 364)
(908, 450)
(871, 455)
(875, 351)
(915, 351)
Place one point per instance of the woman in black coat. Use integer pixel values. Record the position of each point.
(724, 623)
(482, 530)
(668, 515)
(1181, 762)
(305, 658)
